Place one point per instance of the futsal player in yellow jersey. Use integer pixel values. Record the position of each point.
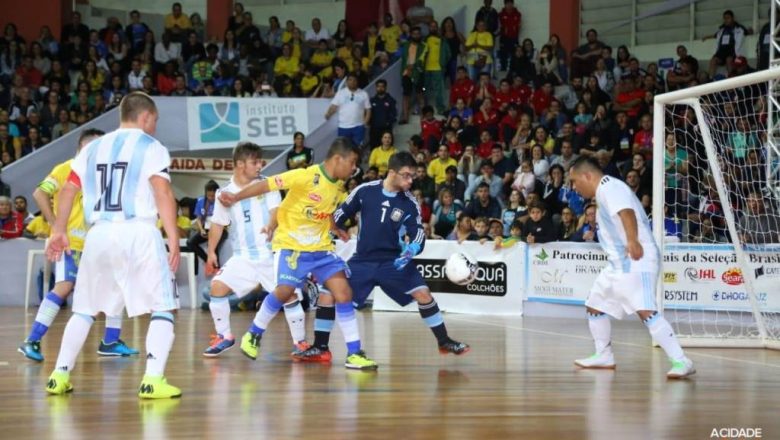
(303, 245)
(66, 267)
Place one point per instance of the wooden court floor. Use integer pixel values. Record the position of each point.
(518, 382)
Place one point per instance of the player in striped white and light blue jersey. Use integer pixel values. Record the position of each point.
(627, 285)
(390, 235)
(252, 221)
(124, 180)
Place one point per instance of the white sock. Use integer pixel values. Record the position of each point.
(220, 313)
(296, 320)
(159, 340)
(73, 339)
(662, 333)
(601, 329)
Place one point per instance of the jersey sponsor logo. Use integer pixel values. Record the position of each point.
(316, 180)
(313, 214)
(219, 122)
(396, 215)
(315, 197)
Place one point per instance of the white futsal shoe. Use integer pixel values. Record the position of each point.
(604, 360)
(681, 369)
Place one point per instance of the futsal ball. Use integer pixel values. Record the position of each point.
(461, 268)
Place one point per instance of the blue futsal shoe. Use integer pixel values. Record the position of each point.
(117, 348)
(31, 350)
(218, 345)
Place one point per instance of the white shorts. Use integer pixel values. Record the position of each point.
(242, 275)
(124, 265)
(619, 294)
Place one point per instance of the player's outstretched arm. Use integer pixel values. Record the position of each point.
(633, 247)
(254, 189)
(166, 206)
(58, 242)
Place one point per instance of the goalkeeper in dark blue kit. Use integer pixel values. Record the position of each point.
(391, 234)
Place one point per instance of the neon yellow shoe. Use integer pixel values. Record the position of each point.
(156, 387)
(250, 343)
(359, 361)
(59, 383)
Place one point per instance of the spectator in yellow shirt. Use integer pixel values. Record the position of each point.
(310, 81)
(390, 33)
(286, 64)
(437, 169)
(289, 27)
(321, 60)
(380, 156)
(177, 23)
(38, 228)
(479, 46)
(183, 222)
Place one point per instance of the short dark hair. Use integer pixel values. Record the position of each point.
(90, 132)
(483, 185)
(247, 150)
(486, 163)
(211, 186)
(342, 146)
(451, 169)
(20, 197)
(400, 160)
(586, 163)
(381, 81)
(133, 104)
(427, 109)
(536, 204)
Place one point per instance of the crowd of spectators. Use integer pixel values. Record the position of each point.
(501, 120)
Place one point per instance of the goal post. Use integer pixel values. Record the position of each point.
(712, 170)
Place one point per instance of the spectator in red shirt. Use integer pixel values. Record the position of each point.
(431, 129)
(463, 87)
(509, 18)
(542, 98)
(31, 77)
(453, 144)
(11, 225)
(166, 80)
(629, 99)
(487, 117)
(643, 138)
(505, 97)
(522, 90)
(485, 146)
(484, 89)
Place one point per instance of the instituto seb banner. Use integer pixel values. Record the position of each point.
(223, 122)
(695, 276)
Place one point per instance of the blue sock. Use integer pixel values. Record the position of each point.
(113, 329)
(345, 317)
(270, 307)
(47, 311)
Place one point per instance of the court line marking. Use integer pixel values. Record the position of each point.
(688, 352)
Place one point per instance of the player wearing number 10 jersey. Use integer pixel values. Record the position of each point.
(125, 183)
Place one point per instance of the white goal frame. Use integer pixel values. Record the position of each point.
(690, 97)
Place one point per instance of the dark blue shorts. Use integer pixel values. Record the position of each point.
(397, 284)
(293, 267)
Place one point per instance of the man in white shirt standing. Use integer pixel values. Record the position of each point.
(627, 284)
(354, 108)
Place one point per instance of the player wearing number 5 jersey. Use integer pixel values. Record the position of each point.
(303, 245)
(391, 234)
(252, 222)
(627, 284)
(125, 183)
(66, 268)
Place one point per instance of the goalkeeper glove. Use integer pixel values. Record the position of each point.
(408, 251)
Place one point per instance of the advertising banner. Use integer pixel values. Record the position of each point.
(562, 272)
(498, 289)
(223, 122)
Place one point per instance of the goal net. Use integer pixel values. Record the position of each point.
(715, 216)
